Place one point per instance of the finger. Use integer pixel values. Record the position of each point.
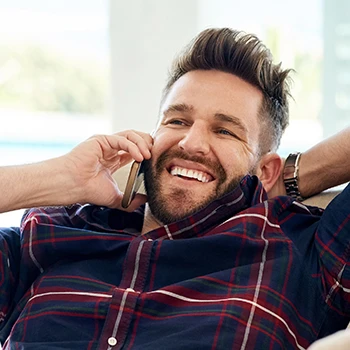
(112, 146)
(137, 145)
(143, 141)
(139, 200)
(131, 149)
(118, 161)
(124, 158)
(135, 135)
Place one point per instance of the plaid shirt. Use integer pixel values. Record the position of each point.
(243, 273)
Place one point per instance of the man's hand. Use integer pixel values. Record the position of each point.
(337, 341)
(84, 175)
(93, 162)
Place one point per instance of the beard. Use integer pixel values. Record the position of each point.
(179, 203)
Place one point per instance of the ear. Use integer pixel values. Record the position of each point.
(269, 169)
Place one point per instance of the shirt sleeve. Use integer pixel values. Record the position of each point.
(9, 269)
(332, 242)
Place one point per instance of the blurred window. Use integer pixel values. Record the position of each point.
(54, 77)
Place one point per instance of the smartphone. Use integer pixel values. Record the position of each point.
(133, 183)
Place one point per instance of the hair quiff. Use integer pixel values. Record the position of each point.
(245, 56)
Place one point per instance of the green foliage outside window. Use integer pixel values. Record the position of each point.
(37, 79)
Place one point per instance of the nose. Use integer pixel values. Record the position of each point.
(195, 141)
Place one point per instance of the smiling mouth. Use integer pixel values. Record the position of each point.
(190, 174)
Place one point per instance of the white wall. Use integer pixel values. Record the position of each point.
(145, 37)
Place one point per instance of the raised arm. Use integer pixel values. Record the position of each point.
(323, 166)
(83, 175)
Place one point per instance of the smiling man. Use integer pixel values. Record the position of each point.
(207, 140)
(222, 114)
(209, 262)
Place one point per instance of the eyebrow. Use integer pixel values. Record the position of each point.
(220, 117)
(180, 107)
(225, 118)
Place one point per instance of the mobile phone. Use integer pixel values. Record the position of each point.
(133, 183)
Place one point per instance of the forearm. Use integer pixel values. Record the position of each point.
(325, 165)
(39, 184)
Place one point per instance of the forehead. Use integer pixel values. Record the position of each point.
(212, 92)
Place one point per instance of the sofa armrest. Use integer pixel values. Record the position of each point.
(322, 199)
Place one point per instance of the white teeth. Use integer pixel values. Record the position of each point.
(193, 174)
(183, 172)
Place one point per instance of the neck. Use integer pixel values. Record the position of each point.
(150, 222)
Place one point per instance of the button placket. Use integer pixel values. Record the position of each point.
(126, 294)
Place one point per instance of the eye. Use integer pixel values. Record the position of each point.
(175, 122)
(226, 132)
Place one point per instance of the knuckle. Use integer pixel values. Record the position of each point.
(94, 136)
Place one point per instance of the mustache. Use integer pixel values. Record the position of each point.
(215, 167)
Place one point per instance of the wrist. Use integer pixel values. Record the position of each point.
(70, 181)
(54, 184)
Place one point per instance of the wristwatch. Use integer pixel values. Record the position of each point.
(290, 175)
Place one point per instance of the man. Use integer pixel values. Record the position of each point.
(208, 262)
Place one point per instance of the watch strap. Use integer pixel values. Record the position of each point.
(291, 175)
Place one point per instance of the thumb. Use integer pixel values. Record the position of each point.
(136, 202)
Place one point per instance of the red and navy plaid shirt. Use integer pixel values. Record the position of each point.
(243, 273)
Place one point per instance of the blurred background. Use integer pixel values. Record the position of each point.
(70, 69)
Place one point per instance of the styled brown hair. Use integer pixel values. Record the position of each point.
(245, 56)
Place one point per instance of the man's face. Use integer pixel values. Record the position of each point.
(207, 140)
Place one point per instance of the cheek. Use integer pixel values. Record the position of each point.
(163, 141)
(237, 162)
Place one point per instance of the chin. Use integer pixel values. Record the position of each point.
(177, 205)
(172, 198)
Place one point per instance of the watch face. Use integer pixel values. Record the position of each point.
(291, 167)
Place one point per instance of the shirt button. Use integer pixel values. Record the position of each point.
(112, 341)
(130, 290)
